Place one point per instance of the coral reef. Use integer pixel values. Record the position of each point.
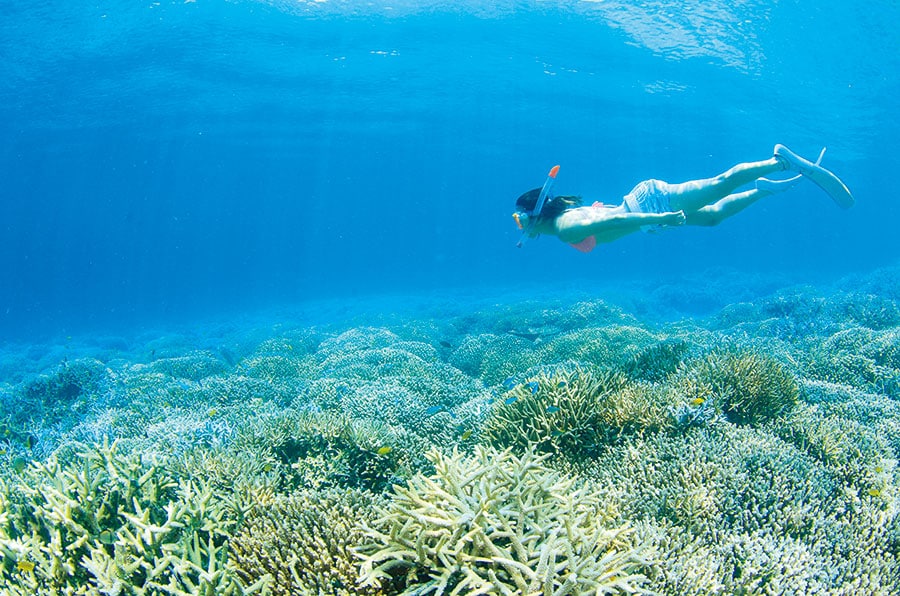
(731, 509)
(324, 450)
(116, 525)
(303, 542)
(574, 412)
(554, 445)
(748, 386)
(497, 523)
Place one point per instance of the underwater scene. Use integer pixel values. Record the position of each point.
(267, 327)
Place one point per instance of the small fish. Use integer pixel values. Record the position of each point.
(879, 469)
(25, 566)
(107, 537)
(212, 412)
(561, 384)
(30, 441)
(552, 409)
(384, 450)
(697, 401)
(510, 400)
(290, 347)
(446, 343)
(509, 383)
(874, 492)
(466, 435)
(533, 386)
(432, 410)
(267, 467)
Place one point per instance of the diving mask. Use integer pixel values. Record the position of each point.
(519, 216)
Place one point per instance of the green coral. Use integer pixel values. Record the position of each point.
(734, 509)
(326, 449)
(574, 412)
(610, 346)
(859, 357)
(73, 387)
(496, 523)
(493, 358)
(749, 387)
(303, 542)
(658, 361)
(114, 524)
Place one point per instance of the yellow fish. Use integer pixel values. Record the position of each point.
(384, 450)
(466, 435)
(874, 492)
(697, 401)
(25, 566)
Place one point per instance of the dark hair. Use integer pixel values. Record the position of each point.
(553, 207)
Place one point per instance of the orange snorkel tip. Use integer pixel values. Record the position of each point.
(518, 221)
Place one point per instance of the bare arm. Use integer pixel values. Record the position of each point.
(578, 224)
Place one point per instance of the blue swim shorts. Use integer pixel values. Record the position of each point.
(650, 196)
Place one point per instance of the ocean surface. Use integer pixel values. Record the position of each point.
(259, 285)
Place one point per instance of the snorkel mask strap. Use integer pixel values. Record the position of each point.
(538, 207)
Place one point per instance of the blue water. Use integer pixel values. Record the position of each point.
(163, 160)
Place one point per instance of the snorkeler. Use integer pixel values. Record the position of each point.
(654, 204)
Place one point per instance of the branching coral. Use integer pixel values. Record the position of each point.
(303, 542)
(323, 450)
(493, 357)
(748, 386)
(497, 524)
(860, 357)
(610, 346)
(658, 361)
(116, 525)
(739, 511)
(73, 386)
(574, 412)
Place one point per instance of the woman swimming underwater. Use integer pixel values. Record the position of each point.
(654, 203)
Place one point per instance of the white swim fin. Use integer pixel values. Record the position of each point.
(823, 178)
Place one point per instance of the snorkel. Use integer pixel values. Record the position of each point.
(538, 206)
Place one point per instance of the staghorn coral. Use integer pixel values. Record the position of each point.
(852, 450)
(859, 357)
(658, 361)
(303, 542)
(115, 525)
(574, 412)
(72, 387)
(701, 493)
(325, 449)
(193, 366)
(749, 387)
(279, 367)
(497, 523)
(871, 310)
(355, 340)
(610, 346)
(492, 358)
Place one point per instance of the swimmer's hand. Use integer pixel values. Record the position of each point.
(666, 220)
(675, 218)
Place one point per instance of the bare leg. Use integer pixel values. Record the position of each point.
(712, 215)
(696, 194)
